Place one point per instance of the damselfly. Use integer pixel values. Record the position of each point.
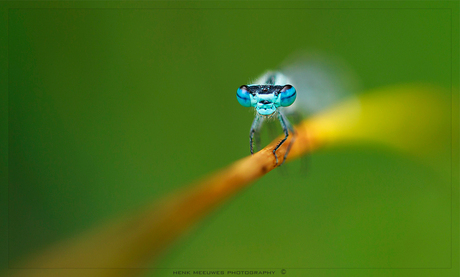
(307, 84)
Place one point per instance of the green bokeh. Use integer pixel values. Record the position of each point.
(113, 108)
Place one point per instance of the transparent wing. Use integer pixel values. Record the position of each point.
(320, 81)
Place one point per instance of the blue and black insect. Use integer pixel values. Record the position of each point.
(267, 97)
(320, 80)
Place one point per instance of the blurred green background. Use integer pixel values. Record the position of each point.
(110, 109)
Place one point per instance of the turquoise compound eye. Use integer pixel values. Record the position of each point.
(243, 96)
(287, 95)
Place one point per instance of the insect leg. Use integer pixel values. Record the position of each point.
(290, 128)
(255, 130)
(286, 128)
(286, 135)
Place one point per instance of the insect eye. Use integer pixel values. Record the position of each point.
(243, 96)
(287, 95)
